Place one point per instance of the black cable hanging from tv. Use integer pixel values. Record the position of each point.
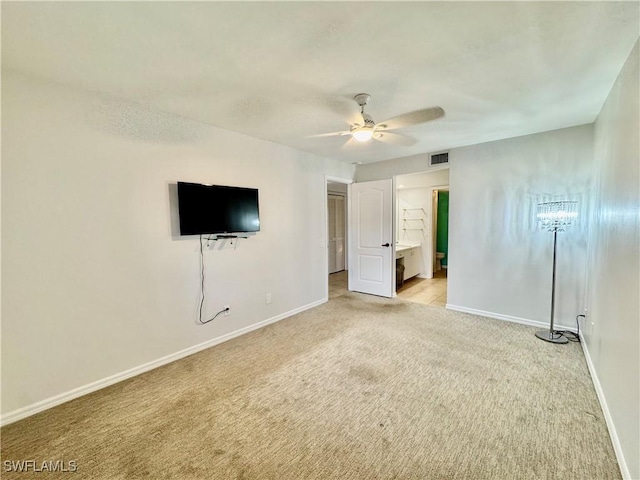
(202, 288)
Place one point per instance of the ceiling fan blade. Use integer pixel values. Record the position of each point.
(412, 118)
(350, 143)
(332, 134)
(395, 139)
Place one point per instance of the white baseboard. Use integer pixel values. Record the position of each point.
(50, 402)
(508, 318)
(617, 448)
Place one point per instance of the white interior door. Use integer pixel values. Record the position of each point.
(371, 250)
(336, 229)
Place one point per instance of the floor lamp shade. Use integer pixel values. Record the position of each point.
(555, 217)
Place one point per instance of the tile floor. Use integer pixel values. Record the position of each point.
(429, 291)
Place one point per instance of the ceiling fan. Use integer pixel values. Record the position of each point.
(368, 129)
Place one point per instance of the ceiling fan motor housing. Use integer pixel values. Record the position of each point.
(362, 99)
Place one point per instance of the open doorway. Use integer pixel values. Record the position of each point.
(422, 210)
(336, 194)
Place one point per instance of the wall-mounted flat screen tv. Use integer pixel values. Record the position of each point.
(208, 209)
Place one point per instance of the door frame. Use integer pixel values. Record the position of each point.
(325, 239)
(428, 254)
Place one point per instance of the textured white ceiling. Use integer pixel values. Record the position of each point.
(285, 71)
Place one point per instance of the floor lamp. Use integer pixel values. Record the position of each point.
(555, 217)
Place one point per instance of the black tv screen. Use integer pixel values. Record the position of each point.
(205, 209)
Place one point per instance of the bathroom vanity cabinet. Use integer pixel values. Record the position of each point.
(410, 258)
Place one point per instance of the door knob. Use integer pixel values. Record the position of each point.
(386, 245)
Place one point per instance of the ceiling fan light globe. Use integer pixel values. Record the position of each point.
(362, 134)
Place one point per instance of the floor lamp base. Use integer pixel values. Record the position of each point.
(549, 336)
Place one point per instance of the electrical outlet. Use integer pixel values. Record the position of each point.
(268, 298)
(227, 310)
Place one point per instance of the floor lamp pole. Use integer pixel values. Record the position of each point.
(551, 336)
(553, 280)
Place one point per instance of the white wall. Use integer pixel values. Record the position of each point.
(390, 168)
(499, 260)
(431, 178)
(612, 329)
(95, 279)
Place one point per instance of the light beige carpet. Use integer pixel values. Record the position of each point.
(359, 388)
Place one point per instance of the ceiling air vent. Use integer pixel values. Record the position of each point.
(439, 159)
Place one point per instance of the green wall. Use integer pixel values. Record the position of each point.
(442, 232)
